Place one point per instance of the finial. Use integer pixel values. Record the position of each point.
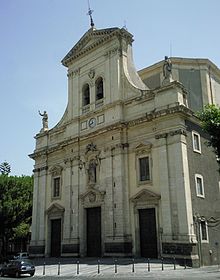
(90, 15)
(125, 25)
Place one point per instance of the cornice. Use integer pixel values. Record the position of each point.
(43, 168)
(179, 131)
(174, 84)
(75, 52)
(164, 112)
(178, 62)
(116, 126)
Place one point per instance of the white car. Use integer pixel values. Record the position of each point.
(22, 255)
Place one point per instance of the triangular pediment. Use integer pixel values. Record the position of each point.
(55, 208)
(145, 195)
(143, 147)
(91, 39)
(146, 145)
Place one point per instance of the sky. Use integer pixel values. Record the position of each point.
(35, 35)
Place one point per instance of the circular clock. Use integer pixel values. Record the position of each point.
(92, 122)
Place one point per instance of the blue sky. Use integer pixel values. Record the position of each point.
(36, 34)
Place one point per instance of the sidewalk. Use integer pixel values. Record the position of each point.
(121, 268)
(106, 267)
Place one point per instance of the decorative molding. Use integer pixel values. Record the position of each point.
(143, 148)
(145, 195)
(179, 131)
(120, 146)
(92, 196)
(162, 135)
(55, 209)
(116, 126)
(73, 73)
(99, 36)
(91, 148)
(91, 74)
(39, 169)
(56, 170)
(113, 52)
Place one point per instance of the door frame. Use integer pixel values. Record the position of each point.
(137, 228)
(84, 228)
(155, 222)
(54, 219)
(55, 212)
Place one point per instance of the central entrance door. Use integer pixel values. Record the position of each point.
(55, 238)
(94, 232)
(148, 233)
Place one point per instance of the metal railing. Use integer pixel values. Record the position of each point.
(115, 266)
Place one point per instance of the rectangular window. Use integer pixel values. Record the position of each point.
(199, 185)
(203, 231)
(56, 187)
(196, 142)
(144, 169)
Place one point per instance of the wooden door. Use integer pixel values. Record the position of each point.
(94, 232)
(55, 238)
(148, 233)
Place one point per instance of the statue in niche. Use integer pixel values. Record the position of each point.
(92, 176)
(44, 120)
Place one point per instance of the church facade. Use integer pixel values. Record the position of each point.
(126, 171)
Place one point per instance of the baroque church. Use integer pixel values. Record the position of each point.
(127, 171)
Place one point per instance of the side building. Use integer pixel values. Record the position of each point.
(126, 171)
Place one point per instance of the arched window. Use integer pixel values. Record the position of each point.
(85, 95)
(99, 89)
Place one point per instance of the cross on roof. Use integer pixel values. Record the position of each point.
(90, 15)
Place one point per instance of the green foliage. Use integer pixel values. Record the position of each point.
(5, 168)
(15, 206)
(22, 229)
(210, 117)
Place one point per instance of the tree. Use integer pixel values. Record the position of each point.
(210, 117)
(15, 207)
(5, 168)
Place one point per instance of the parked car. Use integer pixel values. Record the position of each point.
(22, 255)
(17, 268)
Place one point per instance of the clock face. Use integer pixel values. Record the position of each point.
(92, 122)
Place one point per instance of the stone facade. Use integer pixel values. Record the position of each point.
(114, 176)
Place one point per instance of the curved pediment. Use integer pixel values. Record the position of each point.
(145, 195)
(92, 196)
(56, 170)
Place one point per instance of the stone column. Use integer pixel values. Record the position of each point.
(180, 188)
(181, 243)
(70, 94)
(74, 197)
(120, 244)
(68, 203)
(42, 199)
(34, 226)
(162, 177)
(37, 246)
